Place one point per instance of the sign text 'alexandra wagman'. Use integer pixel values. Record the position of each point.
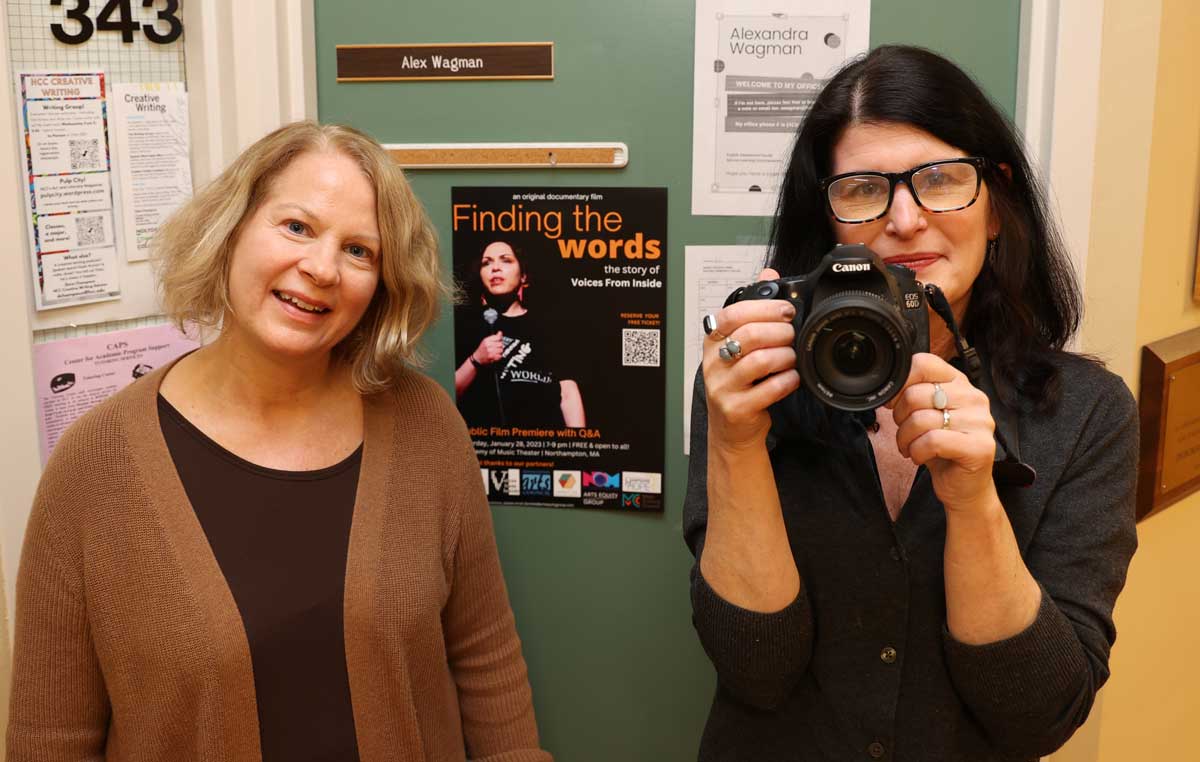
(505, 60)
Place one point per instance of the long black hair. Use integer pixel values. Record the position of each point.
(1025, 303)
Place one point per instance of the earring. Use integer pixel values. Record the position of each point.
(993, 248)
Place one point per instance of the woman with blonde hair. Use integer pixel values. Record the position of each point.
(278, 546)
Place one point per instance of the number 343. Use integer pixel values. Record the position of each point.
(123, 22)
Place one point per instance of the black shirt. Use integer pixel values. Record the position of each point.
(861, 666)
(522, 387)
(280, 538)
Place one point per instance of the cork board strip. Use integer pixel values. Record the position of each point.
(510, 155)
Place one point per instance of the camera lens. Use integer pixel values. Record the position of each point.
(853, 353)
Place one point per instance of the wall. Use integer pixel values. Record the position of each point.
(1152, 701)
(1140, 275)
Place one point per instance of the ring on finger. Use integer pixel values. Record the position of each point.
(709, 324)
(731, 350)
(945, 418)
(940, 400)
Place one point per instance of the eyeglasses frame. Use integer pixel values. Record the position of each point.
(893, 178)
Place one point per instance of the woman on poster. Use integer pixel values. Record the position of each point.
(878, 585)
(276, 547)
(517, 374)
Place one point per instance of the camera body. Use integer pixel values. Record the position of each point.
(858, 323)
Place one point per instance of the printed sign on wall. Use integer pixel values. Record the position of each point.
(559, 342)
(63, 123)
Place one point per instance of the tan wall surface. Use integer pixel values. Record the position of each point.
(1123, 142)
(1147, 203)
(1153, 701)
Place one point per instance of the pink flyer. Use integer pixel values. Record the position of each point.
(72, 375)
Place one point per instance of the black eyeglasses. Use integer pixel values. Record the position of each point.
(939, 186)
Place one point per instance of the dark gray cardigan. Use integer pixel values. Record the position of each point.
(860, 665)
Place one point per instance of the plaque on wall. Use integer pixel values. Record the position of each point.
(448, 61)
(1169, 404)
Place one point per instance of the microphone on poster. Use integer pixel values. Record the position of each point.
(490, 315)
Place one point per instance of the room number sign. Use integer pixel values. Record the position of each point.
(117, 16)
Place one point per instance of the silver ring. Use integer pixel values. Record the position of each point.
(709, 324)
(940, 400)
(945, 418)
(731, 351)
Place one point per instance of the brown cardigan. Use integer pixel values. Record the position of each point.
(129, 645)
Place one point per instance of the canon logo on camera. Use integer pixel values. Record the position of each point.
(839, 267)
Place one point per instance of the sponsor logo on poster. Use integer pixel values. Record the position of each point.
(642, 481)
(601, 480)
(568, 484)
(639, 501)
(536, 484)
(506, 481)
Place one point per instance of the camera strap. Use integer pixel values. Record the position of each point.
(1008, 468)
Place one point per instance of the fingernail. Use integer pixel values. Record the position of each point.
(788, 311)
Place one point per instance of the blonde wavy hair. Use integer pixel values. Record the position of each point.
(194, 247)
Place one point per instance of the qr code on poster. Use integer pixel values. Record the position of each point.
(640, 347)
(89, 231)
(85, 154)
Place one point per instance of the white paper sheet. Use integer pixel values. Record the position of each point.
(151, 139)
(759, 65)
(710, 274)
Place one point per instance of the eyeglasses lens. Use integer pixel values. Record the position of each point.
(939, 188)
(861, 197)
(945, 187)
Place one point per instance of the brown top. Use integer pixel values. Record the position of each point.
(129, 645)
(280, 538)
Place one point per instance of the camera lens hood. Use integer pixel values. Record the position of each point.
(854, 351)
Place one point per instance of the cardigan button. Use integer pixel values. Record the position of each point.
(875, 750)
(888, 655)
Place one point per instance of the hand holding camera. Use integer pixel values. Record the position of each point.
(855, 333)
(739, 392)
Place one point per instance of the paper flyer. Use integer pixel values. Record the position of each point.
(711, 273)
(73, 375)
(759, 66)
(63, 124)
(559, 342)
(151, 138)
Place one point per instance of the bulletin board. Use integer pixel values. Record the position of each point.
(601, 598)
(32, 46)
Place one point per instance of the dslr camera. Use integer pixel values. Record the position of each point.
(858, 323)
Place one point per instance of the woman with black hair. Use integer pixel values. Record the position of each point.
(870, 585)
(525, 378)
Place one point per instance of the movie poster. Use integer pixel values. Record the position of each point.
(558, 342)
